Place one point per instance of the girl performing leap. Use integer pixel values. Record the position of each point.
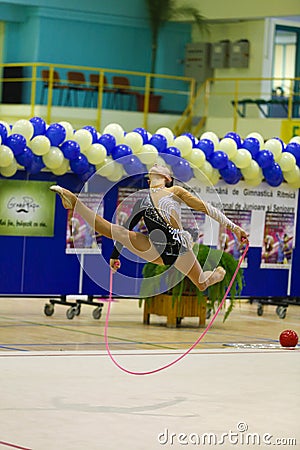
(167, 242)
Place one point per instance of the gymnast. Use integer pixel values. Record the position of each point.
(167, 243)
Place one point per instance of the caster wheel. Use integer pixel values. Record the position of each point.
(71, 312)
(281, 312)
(97, 313)
(48, 309)
(77, 310)
(260, 310)
(208, 313)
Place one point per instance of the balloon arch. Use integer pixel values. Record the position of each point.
(33, 145)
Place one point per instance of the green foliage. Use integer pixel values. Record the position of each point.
(209, 259)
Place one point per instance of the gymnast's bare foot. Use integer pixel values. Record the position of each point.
(209, 278)
(67, 197)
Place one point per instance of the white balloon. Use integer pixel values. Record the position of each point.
(54, 158)
(6, 156)
(83, 138)
(96, 153)
(40, 145)
(204, 173)
(242, 158)
(274, 146)
(134, 140)
(69, 130)
(63, 168)
(253, 171)
(258, 137)
(106, 168)
(117, 174)
(211, 136)
(292, 175)
(196, 157)
(287, 161)
(167, 133)
(9, 171)
(23, 127)
(228, 146)
(184, 144)
(115, 130)
(148, 154)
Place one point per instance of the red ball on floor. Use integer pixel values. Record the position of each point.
(288, 338)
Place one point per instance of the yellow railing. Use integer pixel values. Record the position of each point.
(145, 86)
(240, 98)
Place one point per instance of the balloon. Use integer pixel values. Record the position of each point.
(9, 171)
(235, 137)
(4, 130)
(54, 158)
(148, 154)
(40, 145)
(287, 161)
(25, 158)
(294, 149)
(196, 157)
(63, 168)
(96, 153)
(80, 164)
(228, 145)
(144, 134)
(70, 149)
(16, 142)
(254, 181)
(292, 175)
(242, 159)
(36, 165)
(204, 173)
(106, 168)
(134, 166)
(252, 145)
(182, 170)
(207, 146)
(6, 156)
(167, 133)
(294, 139)
(109, 142)
(211, 136)
(159, 142)
(121, 152)
(39, 126)
(251, 172)
(56, 134)
(23, 127)
(83, 138)
(215, 177)
(93, 132)
(273, 175)
(264, 158)
(218, 160)
(116, 130)
(69, 130)
(274, 146)
(192, 138)
(134, 140)
(257, 136)
(184, 144)
(88, 174)
(171, 155)
(230, 173)
(117, 174)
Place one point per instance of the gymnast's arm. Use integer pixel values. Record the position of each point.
(199, 205)
(134, 218)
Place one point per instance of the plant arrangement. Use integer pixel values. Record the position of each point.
(208, 257)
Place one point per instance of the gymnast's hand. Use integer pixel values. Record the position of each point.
(114, 265)
(241, 234)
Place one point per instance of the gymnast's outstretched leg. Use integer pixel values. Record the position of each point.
(137, 243)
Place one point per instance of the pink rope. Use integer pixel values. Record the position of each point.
(166, 366)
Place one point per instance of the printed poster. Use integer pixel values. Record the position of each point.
(26, 208)
(127, 198)
(278, 240)
(80, 236)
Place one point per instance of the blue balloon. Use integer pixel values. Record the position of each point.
(219, 160)
(70, 149)
(207, 146)
(134, 166)
(39, 126)
(56, 134)
(25, 158)
(159, 142)
(235, 137)
(294, 149)
(252, 145)
(264, 158)
(88, 174)
(16, 142)
(36, 165)
(231, 174)
(143, 133)
(93, 132)
(182, 170)
(273, 175)
(79, 165)
(281, 142)
(171, 155)
(108, 141)
(3, 132)
(192, 138)
(122, 152)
